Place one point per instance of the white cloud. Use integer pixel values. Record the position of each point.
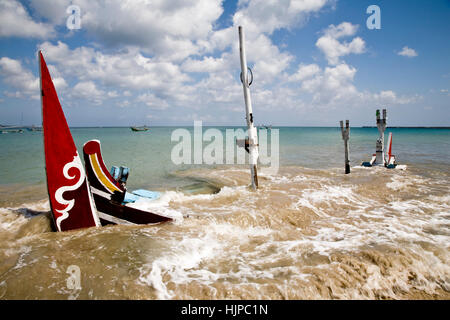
(332, 85)
(389, 97)
(122, 103)
(407, 52)
(176, 29)
(207, 64)
(16, 22)
(152, 101)
(112, 94)
(169, 29)
(16, 76)
(333, 49)
(269, 61)
(54, 11)
(89, 91)
(171, 56)
(178, 35)
(220, 88)
(345, 29)
(305, 72)
(128, 69)
(267, 16)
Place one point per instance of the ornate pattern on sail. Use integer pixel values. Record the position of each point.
(76, 163)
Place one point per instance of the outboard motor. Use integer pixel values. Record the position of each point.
(115, 172)
(123, 176)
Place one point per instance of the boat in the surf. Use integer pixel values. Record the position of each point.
(112, 200)
(71, 202)
(380, 158)
(143, 128)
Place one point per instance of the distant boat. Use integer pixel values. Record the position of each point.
(143, 128)
(12, 131)
(33, 128)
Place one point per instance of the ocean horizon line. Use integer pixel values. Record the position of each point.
(5, 127)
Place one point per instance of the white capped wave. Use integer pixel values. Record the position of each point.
(182, 262)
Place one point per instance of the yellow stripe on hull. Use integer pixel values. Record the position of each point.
(100, 174)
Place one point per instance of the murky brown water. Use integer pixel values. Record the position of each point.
(305, 234)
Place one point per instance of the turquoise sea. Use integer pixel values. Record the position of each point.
(148, 154)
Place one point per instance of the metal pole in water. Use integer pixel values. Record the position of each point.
(345, 136)
(252, 133)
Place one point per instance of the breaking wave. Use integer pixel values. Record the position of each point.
(305, 234)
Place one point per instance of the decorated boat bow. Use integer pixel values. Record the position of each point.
(110, 195)
(71, 202)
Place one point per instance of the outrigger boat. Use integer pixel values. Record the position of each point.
(379, 158)
(72, 204)
(110, 195)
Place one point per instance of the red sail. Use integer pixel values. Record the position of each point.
(70, 199)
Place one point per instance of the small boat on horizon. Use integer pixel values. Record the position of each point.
(143, 128)
(12, 131)
(33, 128)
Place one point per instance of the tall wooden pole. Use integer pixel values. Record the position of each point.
(252, 133)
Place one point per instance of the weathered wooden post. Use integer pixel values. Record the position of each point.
(345, 136)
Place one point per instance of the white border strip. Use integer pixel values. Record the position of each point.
(115, 220)
(101, 193)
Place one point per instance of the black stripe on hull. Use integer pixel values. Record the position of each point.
(106, 222)
(126, 213)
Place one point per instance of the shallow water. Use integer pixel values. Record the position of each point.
(309, 232)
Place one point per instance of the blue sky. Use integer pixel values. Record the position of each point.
(172, 62)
